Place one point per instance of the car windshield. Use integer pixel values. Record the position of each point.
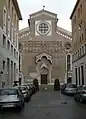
(8, 92)
(84, 88)
(72, 86)
(23, 88)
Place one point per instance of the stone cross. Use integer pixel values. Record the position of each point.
(43, 7)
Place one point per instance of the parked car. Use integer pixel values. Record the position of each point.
(81, 93)
(25, 92)
(63, 88)
(11, 97)
(32, 87)
(29, 88)
(70, 89)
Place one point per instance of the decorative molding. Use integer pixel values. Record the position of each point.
(46, 46)
(39, 57)
(63, 34)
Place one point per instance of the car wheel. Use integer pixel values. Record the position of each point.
(27, 100)
(81, 100)
(23, 104)
(61, 92)
(20, 107)
(75, 98)
(1, 110)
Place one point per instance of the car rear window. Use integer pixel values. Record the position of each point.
(8, 92)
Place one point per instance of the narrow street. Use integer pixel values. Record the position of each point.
(49, 105)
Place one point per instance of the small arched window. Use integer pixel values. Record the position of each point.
(68, 62)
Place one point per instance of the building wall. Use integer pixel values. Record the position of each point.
(9, 26)
(29, 54)
(79, 38)
(8, 76)
(78, 64)
(53, 44)
(41, 18)
(76, 23)
(2, 4)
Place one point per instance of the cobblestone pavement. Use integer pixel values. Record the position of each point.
(49, 105)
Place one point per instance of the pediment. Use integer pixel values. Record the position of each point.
(43, 12)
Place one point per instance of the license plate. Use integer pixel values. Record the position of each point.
(8, 105)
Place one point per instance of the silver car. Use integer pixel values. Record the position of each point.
(81, 93)
(70, 89)
(25, 92)
(11, 97)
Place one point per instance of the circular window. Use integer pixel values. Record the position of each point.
(68, 46)
(43, 28)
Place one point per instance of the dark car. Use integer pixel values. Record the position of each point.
(80, 94)
(63, 88)
(33, 88)
(11, 97)
(25, 92)
(29, 89)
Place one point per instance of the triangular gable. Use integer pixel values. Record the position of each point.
(43, 12)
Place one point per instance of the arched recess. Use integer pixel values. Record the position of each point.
(44, 57)
(49, 61)
(39, 60)
(44, 75)
(69, 61)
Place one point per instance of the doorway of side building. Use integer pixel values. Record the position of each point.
(44, 79)
(76, 72)
(82, 74)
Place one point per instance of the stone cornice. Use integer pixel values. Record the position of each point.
(60, 31)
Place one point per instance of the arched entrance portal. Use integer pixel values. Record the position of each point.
(44, 67)
(44, 79)
(44, 75)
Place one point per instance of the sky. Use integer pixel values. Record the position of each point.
(63, 9)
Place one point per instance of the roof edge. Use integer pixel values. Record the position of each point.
(74, 8)
(15, 2)
(24, 29)
(69, 33)
(42, 11)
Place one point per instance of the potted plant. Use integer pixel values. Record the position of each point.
(56, 85)
(36, 84)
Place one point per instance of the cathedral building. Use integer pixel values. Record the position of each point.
(45, 49)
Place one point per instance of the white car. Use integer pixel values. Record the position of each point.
(70, 89)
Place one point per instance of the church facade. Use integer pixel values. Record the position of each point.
(44, 48)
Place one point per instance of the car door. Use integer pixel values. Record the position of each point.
(21, 95)
(80, 88)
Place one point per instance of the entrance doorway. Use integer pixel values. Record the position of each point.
(82, 74)
(44, 79)
(76, 75)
